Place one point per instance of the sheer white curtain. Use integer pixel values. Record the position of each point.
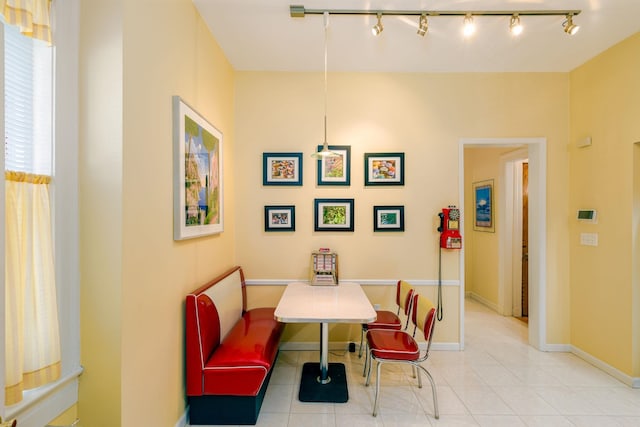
(33, 341)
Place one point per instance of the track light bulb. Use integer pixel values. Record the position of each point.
(469, 27)
(423, 26)
(569, 27)
(515, 26)
(377, 29)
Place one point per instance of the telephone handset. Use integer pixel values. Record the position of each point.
(449, 229)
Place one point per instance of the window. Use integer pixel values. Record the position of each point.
(28, 103)
(33, 113)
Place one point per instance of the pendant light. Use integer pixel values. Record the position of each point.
(325, 152)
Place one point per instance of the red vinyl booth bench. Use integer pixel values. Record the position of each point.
(230, 352)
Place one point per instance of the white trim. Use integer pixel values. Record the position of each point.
(442, 346)
(365, 282)
(558, 348)
(461, 269)
(483, 301)
(537, 149)
(510, 242)
(47, 402)
(183, 420)
(615, 373)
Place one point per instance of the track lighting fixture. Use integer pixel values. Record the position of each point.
(568, 25)
(423, 26)
(469, 27)
(377, 29)
(515, 27)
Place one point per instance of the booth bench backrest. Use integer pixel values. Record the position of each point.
(211, 311)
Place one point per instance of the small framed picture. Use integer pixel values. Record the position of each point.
(333, 215)
(279, 218)
(388, 218)
(483, 206)
(335, 170)
(281, 168)
(384, 168)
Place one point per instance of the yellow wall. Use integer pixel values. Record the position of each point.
(100, 188)
(134, 57)
(605, 104)
(422, 115)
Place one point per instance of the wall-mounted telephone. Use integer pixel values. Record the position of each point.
(449, 229)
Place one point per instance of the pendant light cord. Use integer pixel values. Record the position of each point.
(326, 28)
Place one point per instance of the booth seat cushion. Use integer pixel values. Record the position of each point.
(241, 362)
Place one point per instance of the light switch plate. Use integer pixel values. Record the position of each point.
(589, 239)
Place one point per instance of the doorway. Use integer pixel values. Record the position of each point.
(534, 151)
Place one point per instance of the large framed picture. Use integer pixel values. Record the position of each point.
(333, 215)
(281, 168)
(483, 206)
(384, 168)
(336, 169)
(388, 218)
(279, 218)
(198, 187)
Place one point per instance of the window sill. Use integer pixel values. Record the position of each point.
(43, 404)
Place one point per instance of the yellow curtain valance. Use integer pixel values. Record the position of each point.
(31, 16)
(26, 177)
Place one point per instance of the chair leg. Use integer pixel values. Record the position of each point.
(361, 340)
(375, 403)
(417, 373)
(366, 363)
(434, 391)
(369, 362)
(366, 360)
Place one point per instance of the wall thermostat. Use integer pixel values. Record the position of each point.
(587, 215)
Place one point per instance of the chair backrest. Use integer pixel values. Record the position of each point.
(404, 296)
(423, 317)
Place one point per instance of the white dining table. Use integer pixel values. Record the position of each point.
(324, 304)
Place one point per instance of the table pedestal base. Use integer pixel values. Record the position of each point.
(335, 391)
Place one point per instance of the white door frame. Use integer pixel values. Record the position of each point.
(537, 154)
(510, 233)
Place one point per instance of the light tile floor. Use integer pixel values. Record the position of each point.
(497, 381)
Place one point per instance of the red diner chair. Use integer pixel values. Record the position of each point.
(388, 319)
(393, 346)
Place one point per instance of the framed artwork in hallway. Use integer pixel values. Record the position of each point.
(483, 206)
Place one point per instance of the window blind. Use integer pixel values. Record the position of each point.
(28, 103)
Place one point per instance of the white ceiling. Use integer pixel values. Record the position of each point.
(261, 35)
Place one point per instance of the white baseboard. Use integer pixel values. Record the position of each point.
(557, 348)
(483, 301)
(615, 373)
(182, 422)
(445, 346)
